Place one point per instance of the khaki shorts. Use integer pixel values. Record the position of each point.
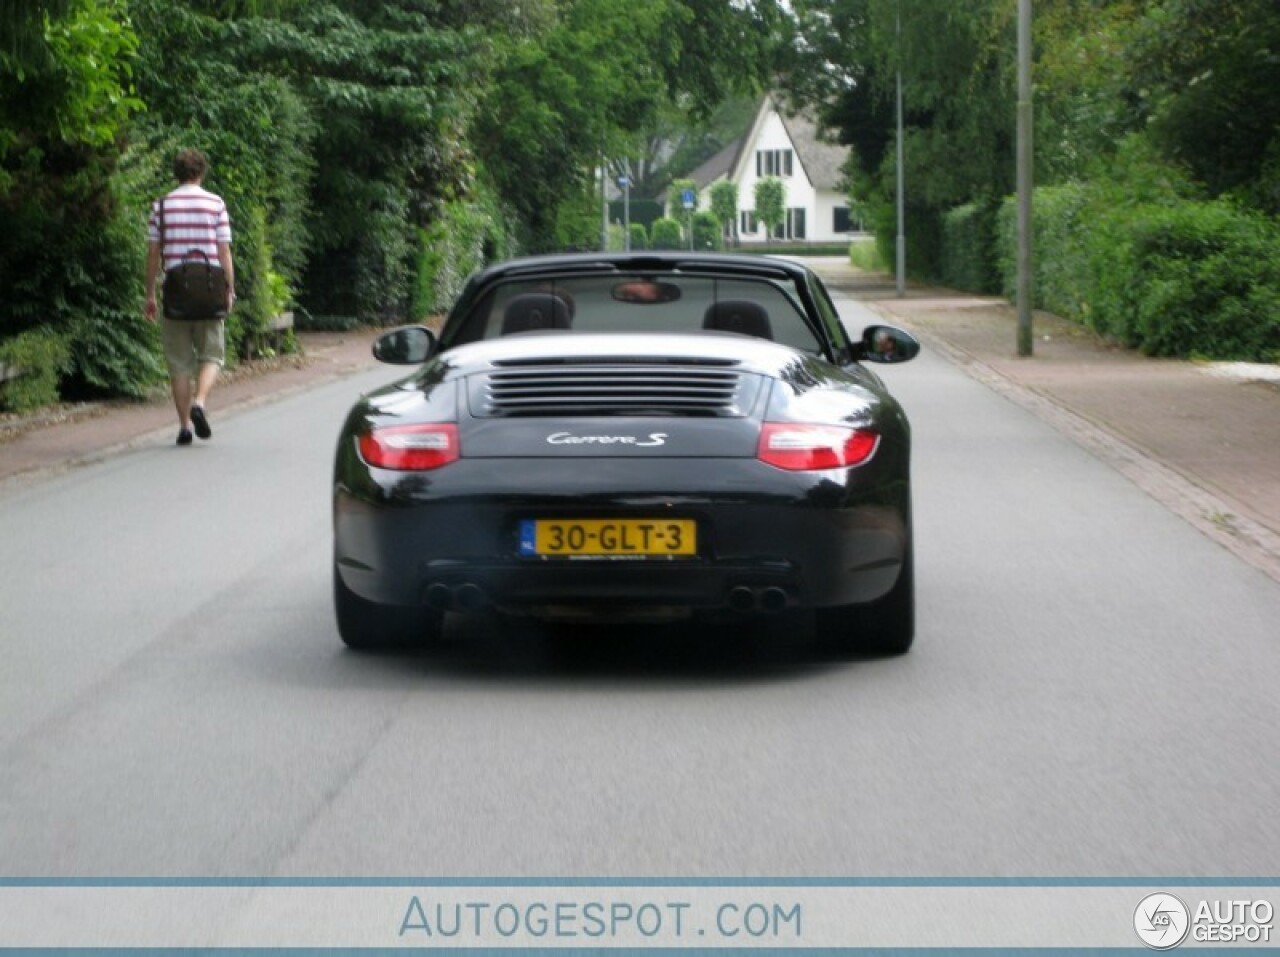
(190, 343)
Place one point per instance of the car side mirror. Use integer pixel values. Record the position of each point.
(887, 344)
(408, 346)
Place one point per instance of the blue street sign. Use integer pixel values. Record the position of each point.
(688, 199)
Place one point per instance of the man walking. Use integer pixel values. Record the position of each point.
(190, 217)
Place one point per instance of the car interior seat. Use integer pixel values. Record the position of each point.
(738, 315)
(535, 310)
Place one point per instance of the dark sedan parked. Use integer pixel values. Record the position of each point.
(641, 436)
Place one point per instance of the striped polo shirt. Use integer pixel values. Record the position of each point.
(194, 218)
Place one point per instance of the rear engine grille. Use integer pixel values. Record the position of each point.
(622, 389)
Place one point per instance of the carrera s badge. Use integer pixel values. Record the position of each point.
(568, 438)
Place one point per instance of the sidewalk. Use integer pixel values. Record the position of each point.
(1203, 438)
(50, 442)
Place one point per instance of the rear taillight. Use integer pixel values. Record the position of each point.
(807, 448)
(411, 448)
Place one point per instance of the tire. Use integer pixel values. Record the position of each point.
(886, 626)
(367, 626)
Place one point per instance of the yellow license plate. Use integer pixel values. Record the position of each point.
(609, 537)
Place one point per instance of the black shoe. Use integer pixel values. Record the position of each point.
(200, 422)
(184, 436)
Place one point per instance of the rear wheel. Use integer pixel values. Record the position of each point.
(886, 626)
(367, 626)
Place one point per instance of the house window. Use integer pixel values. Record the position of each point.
(748, 218)
(773, 162)
(840, 221)
(793, 226)
(796, 223)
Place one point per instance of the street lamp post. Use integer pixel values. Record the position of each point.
(1024, 155)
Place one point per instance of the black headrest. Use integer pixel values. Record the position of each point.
(535, 310)
(738, 315)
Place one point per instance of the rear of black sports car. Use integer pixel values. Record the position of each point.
(570, 471)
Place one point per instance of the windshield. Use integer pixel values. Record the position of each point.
(640, 302)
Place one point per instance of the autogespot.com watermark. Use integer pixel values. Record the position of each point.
(434, 919)
(1163, 921)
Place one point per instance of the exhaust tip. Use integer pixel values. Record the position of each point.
(470, 597)
(440, 596)
(773, 599)
(742, 598)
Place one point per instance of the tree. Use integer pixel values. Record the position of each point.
(595, 79)
(395, 88)
(956, 62)
(1209, 71)
(724, 206)
(770, 199)
(70, 254)
(22, 26)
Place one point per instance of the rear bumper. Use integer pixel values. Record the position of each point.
(767, 539)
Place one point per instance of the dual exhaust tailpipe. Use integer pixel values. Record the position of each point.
(469, 596)
(744, 598)
(465, 597)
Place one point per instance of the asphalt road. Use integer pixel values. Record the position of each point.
(1094, 691)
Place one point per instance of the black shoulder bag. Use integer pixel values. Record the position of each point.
(196, 288)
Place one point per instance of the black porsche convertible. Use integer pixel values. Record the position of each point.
(630, 436)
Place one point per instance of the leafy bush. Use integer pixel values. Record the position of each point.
(666, 234)
(1169, 274)
(639, 236)
(43, 357)
(1196, 278)
(707, 231)
(77, 272)
(968, 247)
(1062, 228)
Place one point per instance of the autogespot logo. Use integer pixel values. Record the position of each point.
(1162, 921)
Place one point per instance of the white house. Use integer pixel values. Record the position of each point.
(788, 147)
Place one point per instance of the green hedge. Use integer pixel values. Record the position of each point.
(1061, 234)
(1171, 276)
(968, 247)
(1193, 279)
